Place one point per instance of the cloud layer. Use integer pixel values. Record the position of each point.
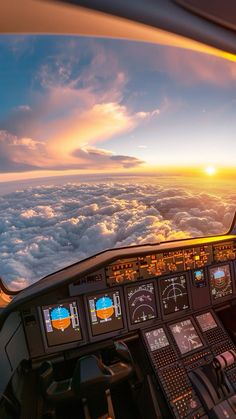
(46, 228)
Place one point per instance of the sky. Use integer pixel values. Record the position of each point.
(93, 133)
(86, 105)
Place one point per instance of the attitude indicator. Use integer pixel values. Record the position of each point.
(105, 312)
(62, 323)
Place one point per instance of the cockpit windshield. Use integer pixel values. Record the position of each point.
(107, 143)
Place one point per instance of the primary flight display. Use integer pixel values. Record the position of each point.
(105, 312)
(61, 323)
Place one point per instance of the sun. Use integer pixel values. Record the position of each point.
(210, 171)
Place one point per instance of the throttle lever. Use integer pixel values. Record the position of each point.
(219, 363)
(225, 359)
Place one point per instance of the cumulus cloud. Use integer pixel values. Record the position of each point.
(100, 158)
(14, 152)
(144, 115)
(46, 228)
(22, 154)
(76, 103)
(60, 140)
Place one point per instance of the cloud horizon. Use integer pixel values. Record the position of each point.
(46, 228)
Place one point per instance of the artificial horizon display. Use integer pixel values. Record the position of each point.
(105, 312)
(61, 323)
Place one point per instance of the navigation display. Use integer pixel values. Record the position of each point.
(220, 281)
(199, 279)
(61, 323)
(141, 302)
(206, 321)
(186, 336)
(157, 339)
(105, 312)
(174, 294)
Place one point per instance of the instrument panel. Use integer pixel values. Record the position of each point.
(135, 293)
(163, 263)
(166, 299)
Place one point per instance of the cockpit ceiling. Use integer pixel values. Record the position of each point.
(156, 26)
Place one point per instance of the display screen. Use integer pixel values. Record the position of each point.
(174, 294)
(186, 336)
(199, 279)
(105, 312)
(206, 321)
(141, 302)
(220, 281)
(156, 339)
(61, 323)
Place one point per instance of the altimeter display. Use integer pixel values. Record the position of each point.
(61, 323)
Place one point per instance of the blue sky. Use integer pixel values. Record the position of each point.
(71, 105)
(87, 105)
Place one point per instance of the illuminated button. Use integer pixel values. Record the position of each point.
(119, 278)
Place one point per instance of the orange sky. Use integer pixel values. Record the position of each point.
(83, 106)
